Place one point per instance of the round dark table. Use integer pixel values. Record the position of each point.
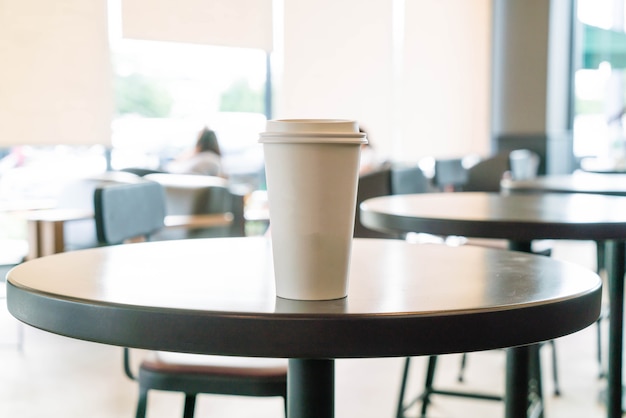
(611, 184)
(522, 218)
(578, 182)
(217, 296)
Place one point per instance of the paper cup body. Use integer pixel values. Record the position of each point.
(312, 177)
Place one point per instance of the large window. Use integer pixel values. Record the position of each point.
(599, 82)
(166, 92)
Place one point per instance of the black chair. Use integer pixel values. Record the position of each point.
(409, 179)
(77, 194)
(372, 184)
(450, 174)
(485, 176)
(125, 212)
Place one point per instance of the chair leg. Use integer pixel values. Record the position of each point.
(600, 266)
(142, 403)
(462, 367)
(405, 376)
(601, 374)
(190, 405)
(428, 386)
(555, 370)
(600, 256)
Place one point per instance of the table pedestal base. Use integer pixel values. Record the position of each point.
(518, 399)
(311, 388)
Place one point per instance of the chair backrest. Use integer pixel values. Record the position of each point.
(372, 184)
(78, 194)
(125, 211)
(409, 179)
(450, 174)
(485, 176)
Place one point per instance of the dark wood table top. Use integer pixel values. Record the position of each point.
(518, 217)
(578, 182)
(216, 296)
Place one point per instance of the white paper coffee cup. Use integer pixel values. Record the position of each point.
(312, 168)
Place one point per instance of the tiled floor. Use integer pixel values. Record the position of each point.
(58, 377)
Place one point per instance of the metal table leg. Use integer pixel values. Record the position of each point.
(616, 252)
(522, 397)
(311, 388)
(517, 377)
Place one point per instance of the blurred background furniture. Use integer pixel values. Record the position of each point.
(386, 180)
(128, 211)
(372, 184)
(189, 194)
(476, 174)
(486, 174)
(69, 224)
(408, 179)
(450, 174)
(555, 150)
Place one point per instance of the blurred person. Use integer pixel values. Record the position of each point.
(205, 158)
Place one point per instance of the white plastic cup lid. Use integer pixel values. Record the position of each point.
(313, 131)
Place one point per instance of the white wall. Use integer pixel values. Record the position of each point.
(339, 62)
(445, 107)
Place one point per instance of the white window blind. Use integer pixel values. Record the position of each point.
(55, 73)
(234, 23)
